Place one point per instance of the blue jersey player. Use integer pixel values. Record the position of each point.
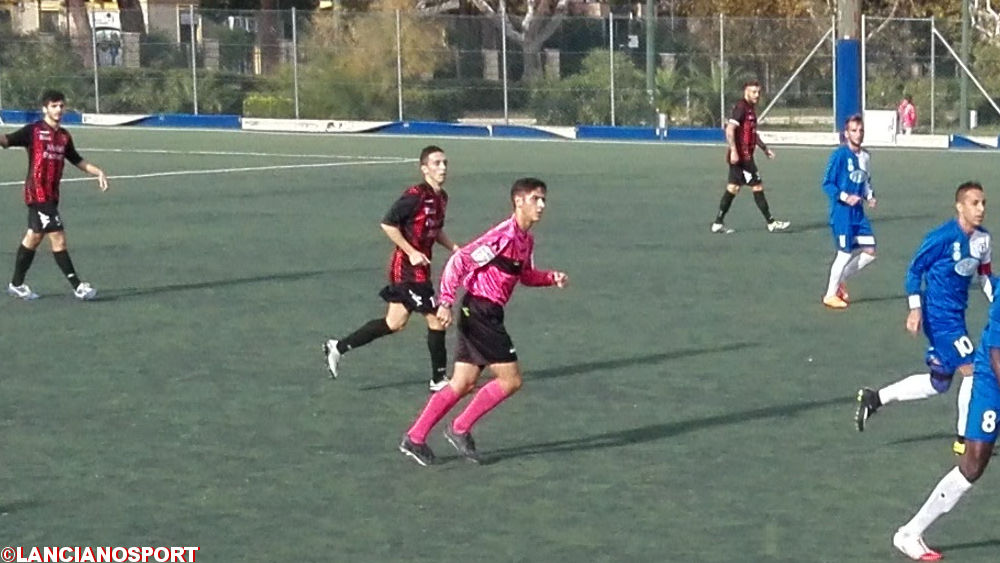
(847, 183)
(937, 284)
(979, 426)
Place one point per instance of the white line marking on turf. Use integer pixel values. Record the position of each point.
(227, 170)
(238, 153)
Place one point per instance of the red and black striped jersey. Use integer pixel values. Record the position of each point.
(48, 149)
(745, 119)
(419, 215)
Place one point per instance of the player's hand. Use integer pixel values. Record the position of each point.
(852, 200)
(560, 279)
(769, 153)
(444, 315)
(734, 156)
(419, 259)
(872, 203)
(102, 181)
(913, 321)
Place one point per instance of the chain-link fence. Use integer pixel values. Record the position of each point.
(584, 68)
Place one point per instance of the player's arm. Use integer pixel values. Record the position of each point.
(78, 161)
(392, 225)
(985, 272)
(541, 278)
(763, 147)
(445, 241)
(914, 281)
(734, 153)
(19, 138)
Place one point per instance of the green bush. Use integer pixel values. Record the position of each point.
(584, 98)
(264, 105)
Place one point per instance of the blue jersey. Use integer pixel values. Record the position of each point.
(984, 402)
(944, 266)
(847, 174)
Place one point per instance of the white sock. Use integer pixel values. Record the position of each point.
(912, 388)
(836, 272)
(964, 396)
(857, 264)
(943, 498)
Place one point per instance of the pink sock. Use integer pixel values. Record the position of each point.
(437, 406)
(485, 400)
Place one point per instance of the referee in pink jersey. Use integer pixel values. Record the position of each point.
(489, 268)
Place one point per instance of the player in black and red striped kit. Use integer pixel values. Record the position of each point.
(743, 140)
(414, 223)
(48, 146)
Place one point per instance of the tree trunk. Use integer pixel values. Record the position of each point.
(79, 32)
(268, 36)
(131, 16)
(532, 57)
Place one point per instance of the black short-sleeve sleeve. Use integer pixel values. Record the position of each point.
(739, 113)
(402, 210)
(21, 137)
(71, 154)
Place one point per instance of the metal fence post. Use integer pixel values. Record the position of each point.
(933, 73)
(93, 47)
(399, 65)
(864, 66)
(194, 63)
(295, 61)
(722, 69)
(611, 61)
(503, 56)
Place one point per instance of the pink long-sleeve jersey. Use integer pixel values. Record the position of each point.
(490, 266)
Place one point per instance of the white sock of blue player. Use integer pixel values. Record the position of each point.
(840, 262)
(857, 263)
(912, 388)
(943, 498)
(964, 396)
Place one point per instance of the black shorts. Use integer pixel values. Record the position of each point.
(44, 218)
(744, 173)
(482, 338)
(417, 297)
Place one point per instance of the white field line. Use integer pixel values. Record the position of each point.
(227, 170)
(237, 153)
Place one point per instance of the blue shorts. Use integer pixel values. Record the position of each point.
(948, 351)
(850, 234)
(984, 405)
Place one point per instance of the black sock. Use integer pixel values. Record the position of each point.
(66, 265)
(761, 201)
(727, 200)
(439, 355)
(21, 264)
(371, 330)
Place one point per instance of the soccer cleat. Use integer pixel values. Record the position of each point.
(842, 293)
(332, 357)
(777, 226)
(436, 386)
(868, 403)
(420, 453)
(914, 547)
(463, 443)
(722, 229)
(21, 292)
(834, 302)
(84, 292)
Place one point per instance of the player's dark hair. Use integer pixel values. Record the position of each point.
(50, 96)
(427, 151)
(856, 118)
(750, 83)
(526, 186)
(967, 187)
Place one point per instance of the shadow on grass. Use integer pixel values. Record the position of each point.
(18, 506)
(879, 298)
(967, 545)
(590, 367)
(943, 436)
(655, 432)
(821, 226)
(126, 292)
